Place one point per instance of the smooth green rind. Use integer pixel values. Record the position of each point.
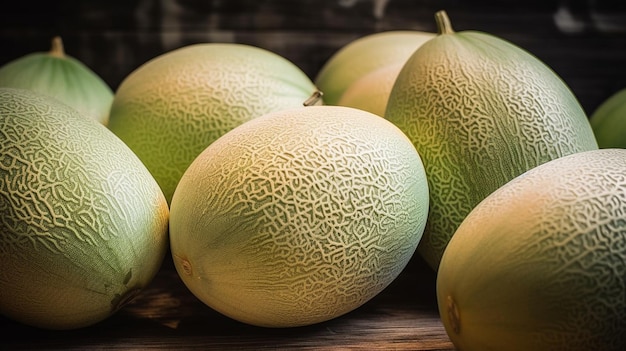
(62, 77)
(608, 121)
(480, 111)
(541, 263)
(299, 216)
(175, 105)
(364, 55)
(83, 225)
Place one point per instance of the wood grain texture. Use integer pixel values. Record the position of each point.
(166, 316)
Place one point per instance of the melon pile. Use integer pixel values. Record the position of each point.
(288, 201)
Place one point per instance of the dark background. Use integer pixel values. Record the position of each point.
(584, 41)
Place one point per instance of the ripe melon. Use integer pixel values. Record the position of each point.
(480, 111)
(83, 225)
(172, 107)
(364, 55)
(371, 92)
(608, 121)
(63, 77)
(298, 216)
(541, 263)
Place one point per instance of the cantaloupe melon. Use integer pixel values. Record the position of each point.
(298, 216)
(541, 263)
(480, 111)
(63, 77)
(364, 55)
(83, 225)
(173, 106)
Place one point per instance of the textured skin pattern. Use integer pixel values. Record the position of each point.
(541, 263)
(480, 111)
(174, 106)
(299, 216)
(64, 78)
(82, 222)
(365, 55)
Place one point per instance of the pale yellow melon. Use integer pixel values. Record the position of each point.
(299, 216)
(364, 55)
(540, 264)
(173, 106)
(371, 92)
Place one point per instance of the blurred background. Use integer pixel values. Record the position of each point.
(584, 41)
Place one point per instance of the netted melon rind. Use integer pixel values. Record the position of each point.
(299, 216)
(82, 221)
(546, 254)
(480, 111)
(172, 107)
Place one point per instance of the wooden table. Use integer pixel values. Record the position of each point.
(166, 316)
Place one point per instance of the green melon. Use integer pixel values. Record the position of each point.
(480, 111)
(298, 216)
(172, 107)
(364, 55)
(541, 263)
(63, 77)
(608, 121)
(83, 225)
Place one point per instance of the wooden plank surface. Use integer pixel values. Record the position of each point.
(167, 316)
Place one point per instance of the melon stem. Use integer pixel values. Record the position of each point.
(443, 23)
(56, 48)
(314, 99)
